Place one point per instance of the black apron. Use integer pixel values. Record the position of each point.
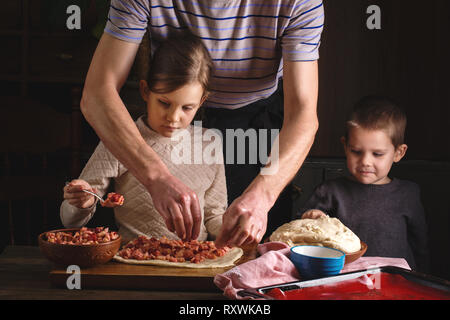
(263, 114)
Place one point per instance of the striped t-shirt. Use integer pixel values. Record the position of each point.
(247, 39)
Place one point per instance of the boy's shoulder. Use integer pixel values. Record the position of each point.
(344, 182)
(406, 185)
(336, 182)
(333, 184)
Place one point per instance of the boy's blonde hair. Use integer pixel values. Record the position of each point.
(378, 113)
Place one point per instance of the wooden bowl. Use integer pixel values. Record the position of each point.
(350, 257)
(80, 255)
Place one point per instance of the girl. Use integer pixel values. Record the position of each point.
(176, 86)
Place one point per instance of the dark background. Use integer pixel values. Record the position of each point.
(45, 140)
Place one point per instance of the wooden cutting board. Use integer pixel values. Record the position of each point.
(116, 275)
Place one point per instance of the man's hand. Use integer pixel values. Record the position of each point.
(178, 205)
(245, 221)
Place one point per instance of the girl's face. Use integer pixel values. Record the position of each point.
(168, 112)
(370, 155)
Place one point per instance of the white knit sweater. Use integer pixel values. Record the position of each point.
(138, 216)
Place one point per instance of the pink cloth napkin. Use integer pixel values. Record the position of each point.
(274, 267)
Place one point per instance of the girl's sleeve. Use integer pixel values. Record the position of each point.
(216, 201)
(98, 172)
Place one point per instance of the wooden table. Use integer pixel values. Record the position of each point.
(24, 274)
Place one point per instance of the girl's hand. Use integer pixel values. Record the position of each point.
(313, 214)
(78, 198)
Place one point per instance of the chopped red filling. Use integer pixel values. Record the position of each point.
(113, 200)
(83, 236)
(144, 248)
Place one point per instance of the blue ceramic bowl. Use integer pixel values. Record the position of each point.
(316, 262)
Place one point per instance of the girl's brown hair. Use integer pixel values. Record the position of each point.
(179, 60)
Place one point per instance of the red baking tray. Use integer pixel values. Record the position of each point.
(383, 283)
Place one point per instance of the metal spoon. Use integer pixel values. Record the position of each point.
(90, 192)
(94, 194)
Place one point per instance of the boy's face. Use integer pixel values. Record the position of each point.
(169, 112)
(370, 155)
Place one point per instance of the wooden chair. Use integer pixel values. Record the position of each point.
(38, 152)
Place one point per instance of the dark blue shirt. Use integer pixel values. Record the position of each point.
(389, 218)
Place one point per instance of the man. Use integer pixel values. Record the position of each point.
(253, 44)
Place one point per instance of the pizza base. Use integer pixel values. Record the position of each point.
(221, 262)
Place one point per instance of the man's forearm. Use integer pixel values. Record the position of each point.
(107, 114)
(299, 126)
(295, 141)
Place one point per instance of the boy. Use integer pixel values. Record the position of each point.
(386, 213)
